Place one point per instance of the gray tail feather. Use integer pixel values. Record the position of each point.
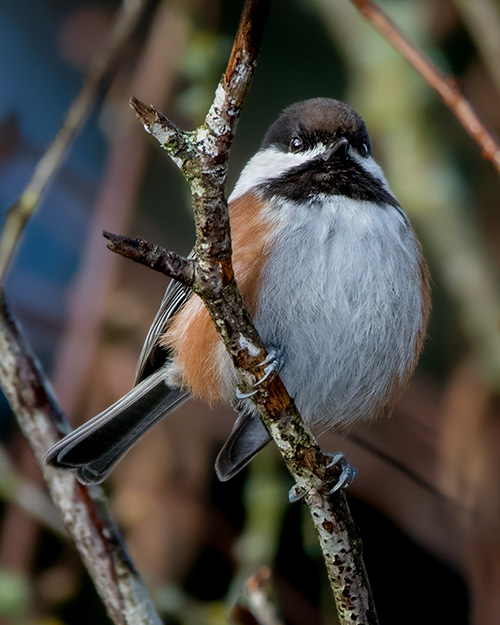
(248, 437)
(92, 450)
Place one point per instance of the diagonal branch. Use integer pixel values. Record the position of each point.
(339, 538)
(202, 157)
(84, 510)
(445, 86)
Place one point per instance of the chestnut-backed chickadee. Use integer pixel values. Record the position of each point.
(329, 267)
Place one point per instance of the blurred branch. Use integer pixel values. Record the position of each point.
(202, 156)
(482, 18)
(20, 212)
(437, 194)
(257, 607)
(153, 77)
(446, 87)
(84, 510)
(27, 495)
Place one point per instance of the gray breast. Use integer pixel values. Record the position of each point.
(345, 309)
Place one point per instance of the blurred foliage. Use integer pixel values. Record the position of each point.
(431, 558)
(15, 595)
(204, 61)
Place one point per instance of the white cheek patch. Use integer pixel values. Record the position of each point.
(271, 163)
(371, 166)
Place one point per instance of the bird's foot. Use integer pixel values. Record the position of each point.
(296, 493)
(347, 474)
(272, 365)
(345, 479)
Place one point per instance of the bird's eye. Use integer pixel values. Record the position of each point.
(296, 144)
(363, 150)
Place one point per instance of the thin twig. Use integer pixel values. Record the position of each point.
(153, 76)
(171, 264)
(84, 510)
(445, 86)
(202, 157)
(30, 497)
(20, 212)
(258, 607)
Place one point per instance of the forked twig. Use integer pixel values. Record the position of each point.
(202, 157)
(445, 86)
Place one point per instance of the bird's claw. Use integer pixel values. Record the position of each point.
(347, 474)
(273, 363)
(239, 395)
(296, 493)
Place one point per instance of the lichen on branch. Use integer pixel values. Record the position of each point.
(202, 157)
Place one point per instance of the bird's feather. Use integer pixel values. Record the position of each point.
(92, 450)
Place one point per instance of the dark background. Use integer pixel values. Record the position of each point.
(426, 497)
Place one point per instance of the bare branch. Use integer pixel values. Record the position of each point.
(258, 607)
(446, 87)
(20, 212)
(163, 130)
(169, 263)
(247, 40)
(28, 495)
(84, 510)
(153, 75)
(202, 157)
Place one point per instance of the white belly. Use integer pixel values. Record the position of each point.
(341, 299)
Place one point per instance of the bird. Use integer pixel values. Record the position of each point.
(333, 276)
